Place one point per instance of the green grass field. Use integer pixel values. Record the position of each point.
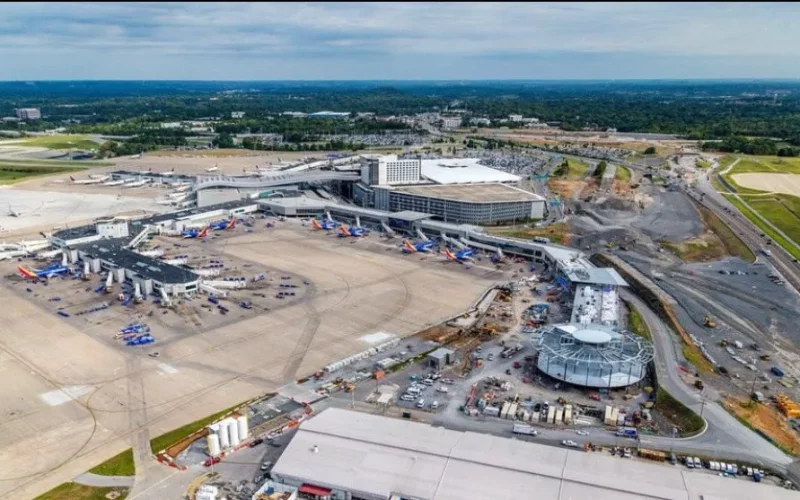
(11, 173)
(687, 421)
(780, 240)
(58, 142)
(637, 325)
(120, 465)
(164, 441)
(74, 491)
(781, 210)
(557, 233)
(622, 173)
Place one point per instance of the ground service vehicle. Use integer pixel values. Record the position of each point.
(629, 432)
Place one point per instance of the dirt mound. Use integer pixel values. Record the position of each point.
(613, 203)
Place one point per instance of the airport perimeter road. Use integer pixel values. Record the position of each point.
(746, 230)
(724, 436)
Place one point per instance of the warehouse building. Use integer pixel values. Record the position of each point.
(341, 454)
(463, 203)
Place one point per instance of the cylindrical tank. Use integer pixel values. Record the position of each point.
(233, 428)
(242, 424)
(213, 445)
(224, 442)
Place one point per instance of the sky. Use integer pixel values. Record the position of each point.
(397, 41)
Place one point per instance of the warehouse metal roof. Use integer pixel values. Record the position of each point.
(463, 171)
(373, 456)
(148, 268)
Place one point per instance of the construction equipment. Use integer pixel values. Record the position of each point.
(699, 384)
(561, 400)
(723, 342)
(708, 322)
(765, 357)
(787, 406)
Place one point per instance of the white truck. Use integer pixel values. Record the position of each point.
(524, 429)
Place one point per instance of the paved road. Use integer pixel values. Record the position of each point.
(89, 479)
(746, 230)
(724, 435)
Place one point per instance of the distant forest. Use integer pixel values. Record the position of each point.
(702, 110)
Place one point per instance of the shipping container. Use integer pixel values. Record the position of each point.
(551, 415)
(504, 410)
(559, 416)
(535, 416)
(607, 420)
(512, 411)
(614, 416)
(568, 414)
(491, 411)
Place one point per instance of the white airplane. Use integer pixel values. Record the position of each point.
(170, 173)
(213, 169)
(89, 181)
(137, 157)
(177, 196)
(114, 183)
(98, 176)
(165, 202)
(180, 188)
(136, 184)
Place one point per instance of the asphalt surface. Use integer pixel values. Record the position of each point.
(746, 230)
(724, 435)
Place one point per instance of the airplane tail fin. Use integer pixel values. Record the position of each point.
(316, 224)
(25, 272)
(409, 246)
(203, 233)
(449, 254)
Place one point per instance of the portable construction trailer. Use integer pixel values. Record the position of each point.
(559, 416)
(568, 414)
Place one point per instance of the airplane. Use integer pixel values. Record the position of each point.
(326, 225)
(423, 246)
(47, 272)
(212, 169)
(460, 256)
(136, 184)
(224, 224)
(170, 173)
(355, 231)
(114, 183)
(12, 213)
(180, 188)
(195, 233)
(89, 181)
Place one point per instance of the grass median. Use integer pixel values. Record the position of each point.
(120, 465)
(75, 491)
(685, 419)
(752, 217)
(11, 173)
(164, 441)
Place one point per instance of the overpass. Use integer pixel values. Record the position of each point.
(271, 180)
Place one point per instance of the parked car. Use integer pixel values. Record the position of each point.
(434, 405)
(256, 442)
(266, 465)
(569, 443)
(211, 461)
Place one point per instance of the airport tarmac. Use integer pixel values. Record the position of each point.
(76, 400)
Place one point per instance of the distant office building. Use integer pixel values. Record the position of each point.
(451, 121)
(389, 170)
(29, 114)
(515, 118)
(237, 114)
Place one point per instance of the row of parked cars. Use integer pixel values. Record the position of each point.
(415, 391)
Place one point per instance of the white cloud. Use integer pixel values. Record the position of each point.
(346, 31)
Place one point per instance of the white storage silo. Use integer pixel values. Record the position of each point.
(224, 442)
(233, 428)
(243, 430)
(213, 444)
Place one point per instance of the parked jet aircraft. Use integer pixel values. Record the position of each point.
(460, 256)
(212, 169)
(326, 225)
(113, 183)
(89, 181)
(224, 225)
(47, 272)
(422, 246)
(195, 233)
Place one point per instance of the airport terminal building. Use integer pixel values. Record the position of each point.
(454, 190)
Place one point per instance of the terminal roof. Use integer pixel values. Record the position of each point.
(111, 250)
(374, 456)
(463, 171)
